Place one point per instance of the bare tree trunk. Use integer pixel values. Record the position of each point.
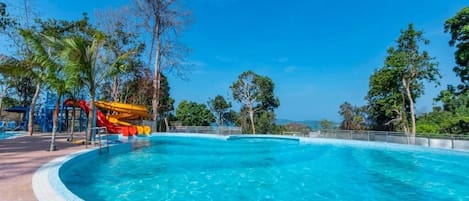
(1, 104)
(72, 125)
(2, 95)
(90, 120)
(251, 117)
(166, 122)
(55, 122)
(406, 84)
(221, 119)
(156, 81)
(31, 109)
(115, 89)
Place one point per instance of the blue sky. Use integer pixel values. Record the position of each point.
(318, 53)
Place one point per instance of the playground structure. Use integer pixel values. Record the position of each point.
(118, 120)
(116, 123)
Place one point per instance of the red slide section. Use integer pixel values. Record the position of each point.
(101, 119)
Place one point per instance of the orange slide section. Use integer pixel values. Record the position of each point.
(101, 119)
(126, 112)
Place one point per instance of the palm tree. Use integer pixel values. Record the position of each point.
(37, 61)
(82, 63)
(51, 70)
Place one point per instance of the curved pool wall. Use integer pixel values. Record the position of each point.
(47, 185)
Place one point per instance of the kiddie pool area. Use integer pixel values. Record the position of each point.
(10, 134)
(255, 167)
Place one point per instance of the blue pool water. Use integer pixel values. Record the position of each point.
(183, 168)
(9, 135)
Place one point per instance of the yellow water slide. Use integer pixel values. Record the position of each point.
(126, 112)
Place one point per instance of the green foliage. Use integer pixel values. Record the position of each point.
(453, 101)
(194, 114)
(458, 26)
(353, 117)
(232, 118)
(136, 90)
(385, 100)
(265, 122)
(166, 106)
(443, 122)
(219, 106)
(166, 102)
(256, 93)
(17, 74)
(10, 102)
(297, 128)
(326, 124)
(453, 117)
(395, 87)
(61, 29)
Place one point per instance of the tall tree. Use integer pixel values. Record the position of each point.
(121, 43)
(353, 117)
(219, 106)
(453, 117)
(166, 106)
(458, 26)
(41, 47)
(40, 60)
(346, 111)
(39, 57)
(256, 93)
(82, 57)
(24, 71)
(164, 20)
(26, 78)
(410, 67)
(413, 65)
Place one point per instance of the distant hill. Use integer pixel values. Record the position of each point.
(313, 124)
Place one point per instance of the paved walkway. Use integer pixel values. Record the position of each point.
(21, 157)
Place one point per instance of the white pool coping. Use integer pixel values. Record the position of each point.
(46, 182)
(47, 185)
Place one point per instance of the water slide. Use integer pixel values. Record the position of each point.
(126, 112)
(101, 120)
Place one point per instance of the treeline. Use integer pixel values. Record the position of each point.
(120, 57)
(255, 94)
(114, 59)
(395, 87)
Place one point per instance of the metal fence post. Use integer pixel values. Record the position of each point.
(452, 141)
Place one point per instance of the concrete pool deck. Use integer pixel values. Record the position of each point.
(22, 156)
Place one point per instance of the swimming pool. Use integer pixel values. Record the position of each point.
(198, 168)
(9, 134)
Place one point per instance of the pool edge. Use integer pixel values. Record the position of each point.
(46, 182)
(47, 185)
